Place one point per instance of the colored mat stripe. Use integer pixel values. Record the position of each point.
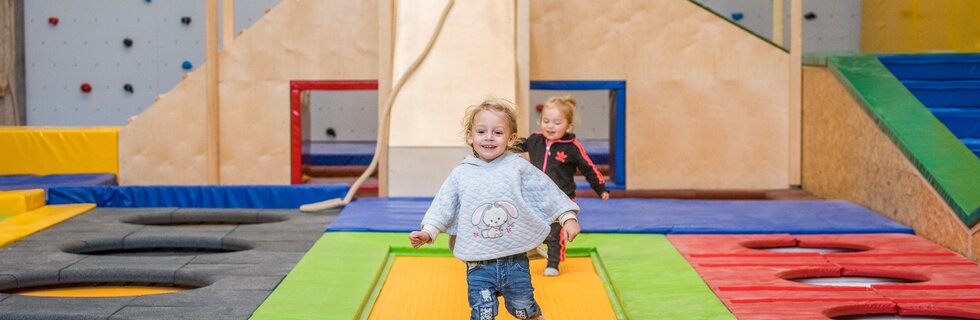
(338, 275)
(806, 300)
(27, 223)
(951, 168)
(577, 294)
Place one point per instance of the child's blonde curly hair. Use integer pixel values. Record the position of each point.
(499, 105)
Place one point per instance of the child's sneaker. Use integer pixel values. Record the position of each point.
(550, 272)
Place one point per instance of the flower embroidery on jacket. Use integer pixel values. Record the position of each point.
(561, 156)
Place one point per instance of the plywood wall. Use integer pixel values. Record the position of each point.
(474, 57)
(707, 102)
(297, 40)
(847, 157)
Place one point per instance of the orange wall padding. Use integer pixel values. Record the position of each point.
(915, 26)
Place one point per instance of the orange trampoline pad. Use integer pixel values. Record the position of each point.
(101, 291)
(435, 288)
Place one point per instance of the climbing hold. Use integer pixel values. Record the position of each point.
(128, 88)
(53, 21)
(331, 133)
(187, 65)
(539, 107)
(737, 16)
(185, 20)
(86, 88)
(810, 16)
(128, 42)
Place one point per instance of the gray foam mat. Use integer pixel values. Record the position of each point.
(232, 284)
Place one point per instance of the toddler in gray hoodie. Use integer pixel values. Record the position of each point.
(500, 206)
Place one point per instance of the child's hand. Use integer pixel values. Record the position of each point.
(419, 238)
(571, 229)
(605, 196)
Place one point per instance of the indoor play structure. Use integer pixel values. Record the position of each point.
(767, 160)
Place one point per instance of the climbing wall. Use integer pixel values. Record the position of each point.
(166, 144)
(97, 63)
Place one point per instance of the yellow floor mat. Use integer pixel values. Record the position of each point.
(27, 223)
(435, 288)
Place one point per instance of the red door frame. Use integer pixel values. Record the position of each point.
(296, 88)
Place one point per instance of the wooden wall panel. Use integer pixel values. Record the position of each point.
(474, 57)
(846, 156)
(707, 102)
(166, 144)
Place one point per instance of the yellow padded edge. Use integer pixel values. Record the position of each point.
(27, 223)
(50, 150)
(16, 202)
(435, 288)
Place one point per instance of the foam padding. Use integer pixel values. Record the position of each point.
(809, 309)
(655, 216)
(350, 153)
(19, 201)
(751, 281)
(945, 94)
(577, 294)
(33, 150)
(265, 197)
(951, 168)
(933, 66)
(28, 223)
(30, 181)
(337, 277)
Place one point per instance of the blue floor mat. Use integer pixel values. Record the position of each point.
(655, 216)
(350, 153)
(30, 181)
(245, 196)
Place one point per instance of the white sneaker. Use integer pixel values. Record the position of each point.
(550, 272)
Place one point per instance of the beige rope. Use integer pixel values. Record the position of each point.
(385, 122)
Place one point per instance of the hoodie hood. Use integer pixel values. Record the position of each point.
(504, 158)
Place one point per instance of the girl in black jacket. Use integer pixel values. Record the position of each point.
(555, 151)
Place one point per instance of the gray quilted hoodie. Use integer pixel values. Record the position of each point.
(498, 208)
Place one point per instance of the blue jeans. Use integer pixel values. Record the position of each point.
(508, 277)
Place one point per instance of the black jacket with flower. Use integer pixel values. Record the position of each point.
(560, 158)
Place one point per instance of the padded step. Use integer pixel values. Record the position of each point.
(945, 94)
(973, 145)
(964, 123)
(933, 66)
